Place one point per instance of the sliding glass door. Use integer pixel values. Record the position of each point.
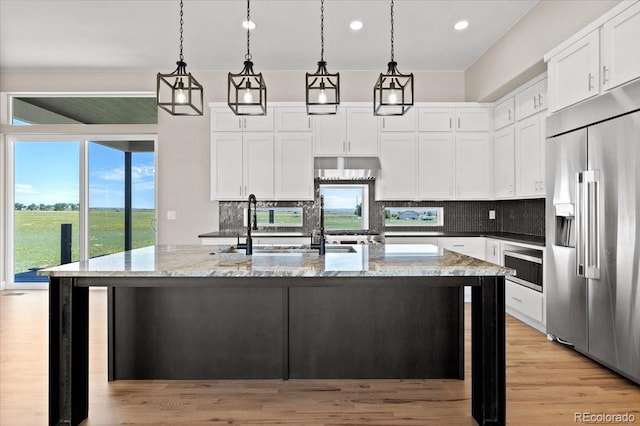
(75, 200)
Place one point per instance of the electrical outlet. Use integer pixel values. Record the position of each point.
(171, 215)
(492, 214)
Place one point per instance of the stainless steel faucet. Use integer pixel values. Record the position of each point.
(322, 245)
(252, 224)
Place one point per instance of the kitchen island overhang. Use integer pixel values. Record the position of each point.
(285, 294)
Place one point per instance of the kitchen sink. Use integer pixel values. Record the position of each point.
(272, 250)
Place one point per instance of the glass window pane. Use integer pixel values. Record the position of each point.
(142, 199)
(345, 206)
(46, 195)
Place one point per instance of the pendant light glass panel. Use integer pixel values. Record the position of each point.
(246, 90)
(178, 92)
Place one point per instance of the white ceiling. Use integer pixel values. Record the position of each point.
(143, 34)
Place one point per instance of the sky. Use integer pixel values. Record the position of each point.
(48, 173)
(341, 197)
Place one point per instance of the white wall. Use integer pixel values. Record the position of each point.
(183, 142)
(517, 56)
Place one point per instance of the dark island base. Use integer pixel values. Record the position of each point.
(286, 332)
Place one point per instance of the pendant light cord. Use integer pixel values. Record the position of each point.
(322, 30)
(248, 55)
(181, 37)
(392, 55)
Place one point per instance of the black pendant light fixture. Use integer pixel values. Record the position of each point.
(246, 91)
(322, 88)
(393, 92)
(179, 93)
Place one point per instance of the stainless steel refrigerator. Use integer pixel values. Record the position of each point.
(592, 279)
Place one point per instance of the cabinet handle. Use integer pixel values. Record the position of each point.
(240, 190)
(541, 185)
(494, 251)
(239, 123)
(450, 123)
(458, 245)
(245, 190)
(535, 103)
(383, 123)
(540, 100)
(509, 118)
(510, 189)
(516, 299)
(537, 186)
(344, 146)
(458, 122)
(349, 146)
(604, 74)
(590, 80)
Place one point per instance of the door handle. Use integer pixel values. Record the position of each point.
(580, 231)
(592, 253)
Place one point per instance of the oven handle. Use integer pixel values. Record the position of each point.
(523, 256)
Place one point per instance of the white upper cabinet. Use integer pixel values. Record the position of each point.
(400, 123)
(258, 167)
(435, 166)
(473, 166)
(504, 113)
(292, 119)
(504, 163)
(293, 166)
(473, 119)
(574, 72)
(362, 132)
(621, 48)
(435, 119)
(224, 120)
(531, 100)
(463, 119)
(353, 131)
(398, 170)
(530, 157)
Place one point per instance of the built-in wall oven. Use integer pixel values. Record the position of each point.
(528, 266)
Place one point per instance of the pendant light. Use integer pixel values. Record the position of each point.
(322, 88)
(393, 92)
(179, 93)
(246, 91)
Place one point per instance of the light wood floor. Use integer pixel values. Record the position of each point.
(546, 384)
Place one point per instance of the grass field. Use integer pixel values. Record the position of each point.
(37, 234)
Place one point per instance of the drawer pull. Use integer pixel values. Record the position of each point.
(516, 299)
(458, 245)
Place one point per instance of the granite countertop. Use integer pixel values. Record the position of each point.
(381, 260)
(243, 233)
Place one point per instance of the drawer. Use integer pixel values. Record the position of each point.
(524, 300)
(471, 246)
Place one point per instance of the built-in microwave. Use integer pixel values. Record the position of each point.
(528, 266)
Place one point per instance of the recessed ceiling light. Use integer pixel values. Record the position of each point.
(249, 24)
(461, 25)
(356, 25)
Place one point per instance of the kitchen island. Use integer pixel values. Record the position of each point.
(390, 311)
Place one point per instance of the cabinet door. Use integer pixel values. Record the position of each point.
(435, 119)
(362, 132)
(531, 100)
(292, 119)
(224, 120)
(473, 166)
(504, 113)
(621, 51)
(400, 123)
(294, 166)
(330, 134)
(258, 165)
(435, 166)
(473, 119)
(574, 72)
(226, 166)
(398, 166)
(504, 163)
(528, 160)
(493, 254)
(258, 123)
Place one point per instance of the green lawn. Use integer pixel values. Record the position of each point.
(37, 234)
(342, 220)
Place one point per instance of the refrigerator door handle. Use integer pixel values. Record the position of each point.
(580, 222)
(592, 225)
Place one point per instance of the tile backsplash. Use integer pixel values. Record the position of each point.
(517, 216)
